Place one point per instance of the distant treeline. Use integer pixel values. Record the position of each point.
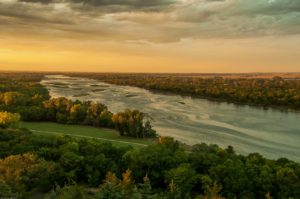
(32, 101)
(271, 92)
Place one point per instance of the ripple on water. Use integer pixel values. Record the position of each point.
(270, 132)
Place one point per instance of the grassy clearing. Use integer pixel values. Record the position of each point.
(105, 135)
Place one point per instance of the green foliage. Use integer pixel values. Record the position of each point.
(67, 192)
(184, 176)
(134, 124)
(110, 188)
(146, 189)
(65, 111)
(7, 192)
(25, 172)
(155, 161)
(211, 189)
(205, 172)
(174, 191)
(126, 188)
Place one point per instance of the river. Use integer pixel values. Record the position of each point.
(272, 133)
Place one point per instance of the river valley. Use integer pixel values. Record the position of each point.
(271, 132)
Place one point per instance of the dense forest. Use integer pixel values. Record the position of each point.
(268, 92)
(67, 168)
(64, 167)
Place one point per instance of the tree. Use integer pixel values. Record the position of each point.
(71, 163)
(105, 119)
(11, 98)
(9, 119)
(93, 114)
(184, 176)
(287, 182)
(133, 124)
(26, 171)
(77, 114)
(148, 131)
(169, 142)
(211, 189)
(120, 122)
(146, 188)
(110, 188)
(113, 188)
(128, 187)
(174, 191)
(7, 192)
(67, 192)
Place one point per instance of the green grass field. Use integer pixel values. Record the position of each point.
(105, 135)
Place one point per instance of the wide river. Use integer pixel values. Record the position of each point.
(271, 132)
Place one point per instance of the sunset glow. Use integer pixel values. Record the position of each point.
(157, 36)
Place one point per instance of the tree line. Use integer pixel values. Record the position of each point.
(272, 92)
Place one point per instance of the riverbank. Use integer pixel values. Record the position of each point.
(276, 92)
(270, 132)
(101, 134)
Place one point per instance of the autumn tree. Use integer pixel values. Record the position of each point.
(11, 98)
(25, 171)
(133, 124)
(9, 119)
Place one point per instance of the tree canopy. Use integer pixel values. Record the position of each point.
(66, 167)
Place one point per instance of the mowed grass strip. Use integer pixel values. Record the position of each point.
(105, 135)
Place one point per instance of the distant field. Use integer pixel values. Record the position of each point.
(105, 135)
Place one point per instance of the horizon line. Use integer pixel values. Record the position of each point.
(120, 72)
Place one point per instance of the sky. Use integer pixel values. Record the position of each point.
(180, 36)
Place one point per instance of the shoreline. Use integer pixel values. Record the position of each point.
(286, 109)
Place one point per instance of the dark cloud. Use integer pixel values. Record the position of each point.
(39, 1)
(157, 20)
(214, 0)
(114, 4)
(31, 14)
(134, 3)
(266, 7)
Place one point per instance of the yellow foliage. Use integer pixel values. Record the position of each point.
(213, 192)
(111, 178)
(37, 97)
(165, 140)
(75, 108)
(13, 167)
(8, 119)
(268, 196)
(127, 177)
(10, 98)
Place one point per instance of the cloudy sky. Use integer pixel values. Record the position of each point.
(150, 35)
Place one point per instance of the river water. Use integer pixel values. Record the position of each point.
(271, 132)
